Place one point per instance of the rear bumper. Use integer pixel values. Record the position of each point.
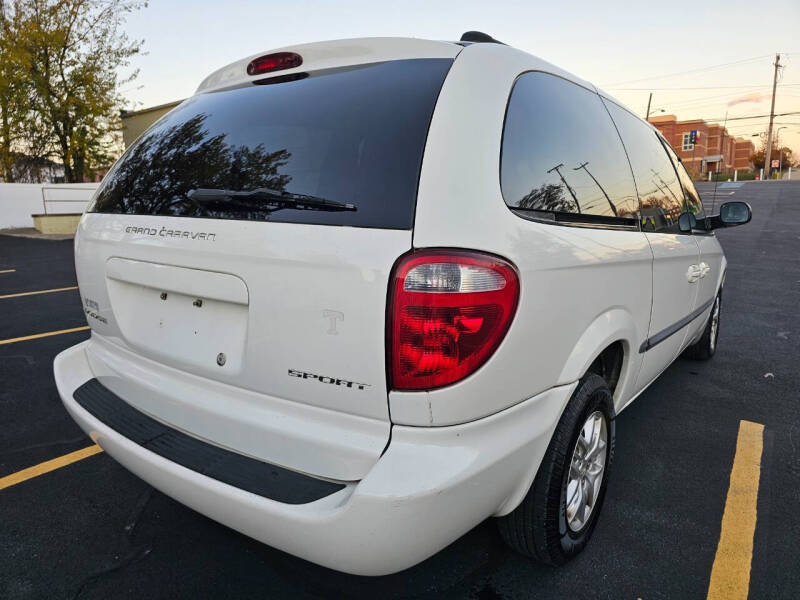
(430, 486)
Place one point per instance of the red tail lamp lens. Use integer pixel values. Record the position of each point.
(274, 62)
(449, 312)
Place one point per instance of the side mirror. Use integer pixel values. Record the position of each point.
(730, 214)
(687, 222)
(735, 213)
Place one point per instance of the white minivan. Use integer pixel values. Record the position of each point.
(354, 297)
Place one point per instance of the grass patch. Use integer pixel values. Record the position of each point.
(729, 176)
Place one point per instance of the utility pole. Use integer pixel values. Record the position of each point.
(664, 183)
(649, 100)
(610, 203)
(768, 149)
(571, 191)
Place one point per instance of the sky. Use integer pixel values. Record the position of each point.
(680, 51)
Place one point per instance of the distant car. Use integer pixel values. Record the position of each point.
(354, 297)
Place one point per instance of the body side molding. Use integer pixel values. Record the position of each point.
(655, 340)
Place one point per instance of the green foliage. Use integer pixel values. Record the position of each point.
(742, 176)
(59, 81)
(12, 98)
(163, 165)
(784, 154)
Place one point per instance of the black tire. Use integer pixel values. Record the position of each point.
(538, 526)
(706, 346)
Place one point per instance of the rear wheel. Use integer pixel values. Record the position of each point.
(556, 519)
(706, 346)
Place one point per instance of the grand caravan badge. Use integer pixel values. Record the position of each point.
(171, 233)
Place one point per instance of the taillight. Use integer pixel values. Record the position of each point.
(449, 311)
(277, 61)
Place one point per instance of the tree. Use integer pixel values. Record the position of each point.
(784, 153)
(12, 94)
(69, 53)
(170, 160)
(548, 197)
(757, 158)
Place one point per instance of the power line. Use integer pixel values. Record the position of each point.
(717, 100)
(700, 100)
(706, 87)
(712, 67)
(718, 119)
(692, 107)
(754, 117)
(760, 123)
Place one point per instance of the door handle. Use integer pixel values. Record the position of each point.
(693, 273)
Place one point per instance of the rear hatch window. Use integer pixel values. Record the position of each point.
(332, 147)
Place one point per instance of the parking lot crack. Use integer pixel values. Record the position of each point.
(135, 553)
(74, 440)
(136, 513)
(133, 557)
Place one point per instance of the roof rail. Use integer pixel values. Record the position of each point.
(479, 37)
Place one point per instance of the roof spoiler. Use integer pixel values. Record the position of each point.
(479, 37)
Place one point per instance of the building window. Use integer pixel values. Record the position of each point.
(687, 145)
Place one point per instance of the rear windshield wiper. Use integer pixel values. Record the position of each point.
(277, 198)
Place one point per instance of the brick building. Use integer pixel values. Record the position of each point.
(715, 150)
(742, 155)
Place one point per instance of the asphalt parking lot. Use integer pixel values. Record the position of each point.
(90, 529)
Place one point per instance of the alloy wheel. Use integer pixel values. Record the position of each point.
(586, 470)
(714, 325)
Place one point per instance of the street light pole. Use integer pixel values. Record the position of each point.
(780, 151)
(647, 114)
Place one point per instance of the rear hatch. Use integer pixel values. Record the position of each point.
(248, 237)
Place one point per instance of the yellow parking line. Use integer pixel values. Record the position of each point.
(20, 294)
(47, 466)
(730, 575)
(8, 271)
(36, 336)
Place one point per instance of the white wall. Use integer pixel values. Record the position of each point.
(18, 201)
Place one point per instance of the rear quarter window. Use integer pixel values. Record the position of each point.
(562, 156)
(353, 135)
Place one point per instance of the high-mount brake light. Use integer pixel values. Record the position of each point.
(449, 311)
(277, 61)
